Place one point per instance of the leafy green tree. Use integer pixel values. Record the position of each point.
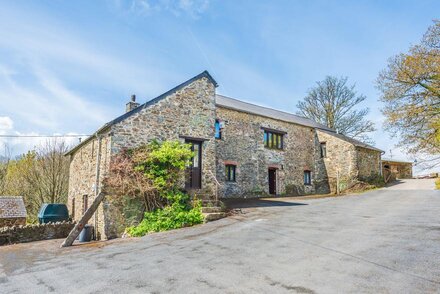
(334, 104)
(410, 87)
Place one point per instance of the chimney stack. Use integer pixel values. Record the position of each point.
(132, 104)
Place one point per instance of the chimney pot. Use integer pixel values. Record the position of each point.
(132, 104)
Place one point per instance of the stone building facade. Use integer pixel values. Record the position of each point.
(345, 161)
(242, 145)
(244, 150)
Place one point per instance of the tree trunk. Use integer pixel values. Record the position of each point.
(83, 221)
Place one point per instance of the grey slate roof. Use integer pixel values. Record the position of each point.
(239, 105)
(355, 142)
(230, 103)
(12, 207)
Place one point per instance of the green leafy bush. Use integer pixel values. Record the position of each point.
(376, 180)
(177, 215)
(163, 163)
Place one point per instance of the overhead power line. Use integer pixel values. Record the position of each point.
(43, 136)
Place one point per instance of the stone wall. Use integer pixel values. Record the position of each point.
(344, 159)
(242, 143)
(396, 170)
(29, 233)
(368, 163)
(15, 221)
(187, 112)
(341, 160)
(82, 181)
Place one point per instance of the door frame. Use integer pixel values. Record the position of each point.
(273, 171)
(189, 180)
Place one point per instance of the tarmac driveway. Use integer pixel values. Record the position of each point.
(384, 241)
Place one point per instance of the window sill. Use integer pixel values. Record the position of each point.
(274, 149)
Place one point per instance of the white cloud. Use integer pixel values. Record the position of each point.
(193, 8)
(6, 124)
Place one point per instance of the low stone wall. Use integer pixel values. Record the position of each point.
(13, 221)
(29, 233)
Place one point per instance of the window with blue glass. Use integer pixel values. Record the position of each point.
(218, 129)
(307, 177)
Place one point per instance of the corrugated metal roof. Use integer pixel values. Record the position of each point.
(12, 207)
(239, 105)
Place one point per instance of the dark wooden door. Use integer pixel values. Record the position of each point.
(194, 170)
(272, 181)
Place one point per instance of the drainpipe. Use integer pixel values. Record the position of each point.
(97, 186)
(380, 163)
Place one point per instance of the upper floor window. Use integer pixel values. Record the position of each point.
(230, 172)
(323, 149)
(218, 129)
(307, 177)
(273, 140)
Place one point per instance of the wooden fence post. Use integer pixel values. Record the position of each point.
(83, 221)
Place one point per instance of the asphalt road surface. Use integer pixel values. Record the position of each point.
(384, 241)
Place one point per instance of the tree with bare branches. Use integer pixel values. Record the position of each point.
(334, 104)
(40, 176)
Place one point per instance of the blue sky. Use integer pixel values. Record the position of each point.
(67, 67)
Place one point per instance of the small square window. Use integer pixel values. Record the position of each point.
(323, 149)
(307, 177)
(230, 172)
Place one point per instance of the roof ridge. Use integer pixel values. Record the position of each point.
(120, 118)
(306, 121)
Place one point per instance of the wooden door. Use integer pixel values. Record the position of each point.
(272, 181)
(194, 170)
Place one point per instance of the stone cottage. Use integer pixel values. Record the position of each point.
(242, 149)
(396, 169)
(12, 211)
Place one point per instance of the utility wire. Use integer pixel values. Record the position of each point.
(42, 136)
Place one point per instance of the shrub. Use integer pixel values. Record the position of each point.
(376, 180)
(145, 181)
(177, 215)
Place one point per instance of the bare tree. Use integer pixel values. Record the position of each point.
(333, 103)
(4, 163)
(40, 176)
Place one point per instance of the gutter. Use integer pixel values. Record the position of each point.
(88, 139)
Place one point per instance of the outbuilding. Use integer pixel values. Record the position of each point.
(12, 211)
(396, 169)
